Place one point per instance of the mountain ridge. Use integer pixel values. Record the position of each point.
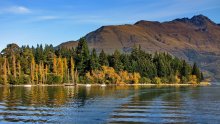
(193, 39)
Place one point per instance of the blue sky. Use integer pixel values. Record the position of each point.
(55, 21)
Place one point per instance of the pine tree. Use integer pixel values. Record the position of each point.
(82, 57)
(103, 60)
(161, 68)
(185, 71)
(38, 62)
(196, 72)
(202, 77)
(94, 64)
(116, 61)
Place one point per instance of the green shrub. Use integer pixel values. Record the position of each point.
(164, 80)
(145, 80)
(54, 79)
(172, 79)
(1, 81)
(24, 79)
(156, 80)
(83, 80)
(184, 80)
(12, 80)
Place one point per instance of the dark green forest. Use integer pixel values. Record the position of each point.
(50, 65)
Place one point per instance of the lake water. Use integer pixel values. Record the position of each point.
(111, 104)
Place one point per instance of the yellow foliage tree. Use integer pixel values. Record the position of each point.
(177, 79)
(65, 70)
(124, 76)
(32, 69)
(109, 75)
(5, 78)
(14, 65)
(72, 69)
(46, 72)
(60, 67)
(99, 76)
(193, 79)
(41, 72)
(136, 77)
(19, 68)
(54, 65)
(89, 78)
(8, 67)
(36, 73)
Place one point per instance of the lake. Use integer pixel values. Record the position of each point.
(111, 104)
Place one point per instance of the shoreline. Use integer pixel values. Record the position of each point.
(104, 85)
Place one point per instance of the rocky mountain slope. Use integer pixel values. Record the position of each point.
(195, 39)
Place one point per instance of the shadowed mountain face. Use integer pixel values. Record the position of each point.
(196, 40)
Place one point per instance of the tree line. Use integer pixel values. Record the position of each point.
(49, 65)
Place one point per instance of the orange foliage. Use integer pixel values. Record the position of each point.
(109, 75)
(193, 79)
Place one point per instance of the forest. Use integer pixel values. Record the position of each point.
(51, 65)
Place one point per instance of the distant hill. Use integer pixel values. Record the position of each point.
(195, 39)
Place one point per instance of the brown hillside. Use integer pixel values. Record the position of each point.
(196, 39)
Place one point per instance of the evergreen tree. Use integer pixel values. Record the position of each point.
(161, 68)
(82, 57)
(185, 71)
(40, 65)
(196, 71)
(94, 63)
(116, 61)
(103, 59)
(202, 77)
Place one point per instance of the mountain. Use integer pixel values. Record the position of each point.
(195, 39)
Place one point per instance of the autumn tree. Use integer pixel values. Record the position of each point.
(65, 70)
(14, 66)
(54, 65)
(32, 70)
(19, 68)
(5, 77)
(72, 66)
(60, 69)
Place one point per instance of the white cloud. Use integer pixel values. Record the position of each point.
(17, 10)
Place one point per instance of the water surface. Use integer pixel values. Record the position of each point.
(112, 104)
